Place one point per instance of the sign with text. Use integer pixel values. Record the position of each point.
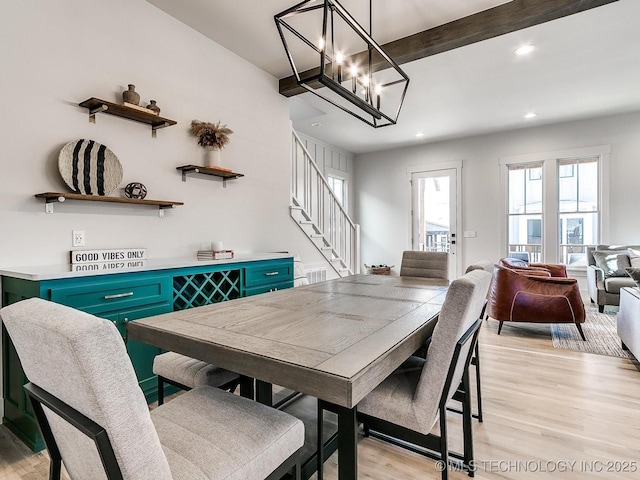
(102, 266)
(111, 255)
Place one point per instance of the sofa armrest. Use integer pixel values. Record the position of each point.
(595, 281)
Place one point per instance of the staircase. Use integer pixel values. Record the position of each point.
(319, 214)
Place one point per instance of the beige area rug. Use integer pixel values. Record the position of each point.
(600, 330)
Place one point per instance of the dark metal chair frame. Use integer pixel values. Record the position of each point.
(39, 397)
(430, 445)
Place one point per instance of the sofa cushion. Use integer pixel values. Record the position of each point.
(634, 273)
(634, 257)
(614, 284)
(612, 262)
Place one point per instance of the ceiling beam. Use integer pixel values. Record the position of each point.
(507, 18)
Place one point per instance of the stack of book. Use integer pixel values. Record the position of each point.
(215, 254)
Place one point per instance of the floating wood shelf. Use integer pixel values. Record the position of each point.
(95, 105)
(216, 172)
(53, 197)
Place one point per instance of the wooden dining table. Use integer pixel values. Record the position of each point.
(334, 340)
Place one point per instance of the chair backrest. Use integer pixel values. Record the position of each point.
(485, 265)
(520, 256)
(591, 259)
(82, 360)
(513, 262)
(425, 264)
(462, 307)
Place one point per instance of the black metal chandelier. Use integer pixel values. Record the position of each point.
(346, 67)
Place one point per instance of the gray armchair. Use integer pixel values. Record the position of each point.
(97, 422)
(606, 275)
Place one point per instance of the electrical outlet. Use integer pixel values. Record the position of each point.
(78, 238)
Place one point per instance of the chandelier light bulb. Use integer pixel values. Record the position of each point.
(321, 43)
(378, 91)
(339, 58)
(354, 74)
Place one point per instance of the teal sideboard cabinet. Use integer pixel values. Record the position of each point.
(126, 296)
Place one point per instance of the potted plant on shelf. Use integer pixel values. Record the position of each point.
(212, 137)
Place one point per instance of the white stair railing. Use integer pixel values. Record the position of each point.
(317, 211)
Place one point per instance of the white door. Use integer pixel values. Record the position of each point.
(434, 214)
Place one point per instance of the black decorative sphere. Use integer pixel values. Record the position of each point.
(135, 190)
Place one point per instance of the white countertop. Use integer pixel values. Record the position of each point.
(54, 272)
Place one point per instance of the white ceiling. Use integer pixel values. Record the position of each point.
(584, 65)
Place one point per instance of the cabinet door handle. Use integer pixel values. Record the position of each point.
(126, 331)
(271, 274)
(118, 295)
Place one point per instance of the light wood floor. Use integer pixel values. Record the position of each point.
(545, 409)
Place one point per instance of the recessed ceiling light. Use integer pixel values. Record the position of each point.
(420, 134)
(531, 115)
(524, 49)
(316, 124)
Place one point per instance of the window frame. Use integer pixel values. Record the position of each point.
(550, 200)
(345, 187)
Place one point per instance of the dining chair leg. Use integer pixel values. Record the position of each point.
(297, 471)
(467, 425)
(160, 390)
(444, 449)
(476, 361)
(264, 393)
(247, 389)
(500, 328)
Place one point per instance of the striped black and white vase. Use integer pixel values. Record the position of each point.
(89, 168)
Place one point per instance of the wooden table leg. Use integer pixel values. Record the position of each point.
(347, 444)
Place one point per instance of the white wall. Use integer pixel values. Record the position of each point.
(57, 54)
(383, 199)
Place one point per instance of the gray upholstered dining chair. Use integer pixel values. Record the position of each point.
(487, 266)
(186, 373)
(408, 403)
(428, 265)
(95, 420)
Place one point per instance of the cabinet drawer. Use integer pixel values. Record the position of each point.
(100, 297)
(268, 288)
(269, 274)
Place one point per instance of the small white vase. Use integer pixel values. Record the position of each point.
(213, 158)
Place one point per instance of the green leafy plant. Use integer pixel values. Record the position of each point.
(214, 135)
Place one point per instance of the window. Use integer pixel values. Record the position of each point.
(554, 204)
(525, 209)
(578, 208)
(337, 186)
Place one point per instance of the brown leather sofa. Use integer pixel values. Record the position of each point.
(521, 296)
